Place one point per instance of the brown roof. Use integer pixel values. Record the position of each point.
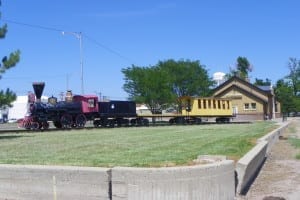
(243, 86)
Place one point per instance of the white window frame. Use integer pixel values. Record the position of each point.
(246, 106)
(250, 106)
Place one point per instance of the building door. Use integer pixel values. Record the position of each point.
(235, 110)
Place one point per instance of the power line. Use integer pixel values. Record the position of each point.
(31, 77)
(61, 31)
(106, 48)
(32, 25)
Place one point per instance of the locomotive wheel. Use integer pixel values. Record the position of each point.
(126, 122)
(105, 122)
(133, 122)
(57, 124)
(145, 122)
(66, 121)
(140, 122)
(180, 120)
(27, 125)
(97, 123)
(35, 125)
(111, 123)
(45, 125)
(198, 120)
(80, 120)
(119, 122)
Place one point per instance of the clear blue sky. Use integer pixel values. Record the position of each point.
(119, 33)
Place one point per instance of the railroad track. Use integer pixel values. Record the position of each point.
(13, 128)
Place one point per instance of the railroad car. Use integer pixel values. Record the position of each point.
(193, 109)
(113, 113)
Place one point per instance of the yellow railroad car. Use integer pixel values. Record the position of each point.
(194, 109)
(197, 107)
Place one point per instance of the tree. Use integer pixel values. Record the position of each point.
(261, 82)
(147, 85)
(160, 86)
(243, 67)
(7, 97)
(294, 76)
(187, 78)
(7, 63)
(284, 94)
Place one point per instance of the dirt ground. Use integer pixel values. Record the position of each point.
(280, 175)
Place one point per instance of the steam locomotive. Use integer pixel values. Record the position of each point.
(76, 110)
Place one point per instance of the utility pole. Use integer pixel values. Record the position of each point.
(78, 35)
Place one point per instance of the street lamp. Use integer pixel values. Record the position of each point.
(78, 35)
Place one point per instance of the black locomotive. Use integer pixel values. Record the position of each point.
(76, 110)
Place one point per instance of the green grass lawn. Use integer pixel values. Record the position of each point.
(296, 143)
(142, 146)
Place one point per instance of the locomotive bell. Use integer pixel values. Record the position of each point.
(52, 100)
(38, 88)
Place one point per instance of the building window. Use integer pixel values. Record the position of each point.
(250, 106)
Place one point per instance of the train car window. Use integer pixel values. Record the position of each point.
(204, 103)
(219, 104)
(209, 103)
(214, 104)
(91, 103)
(199, 103)
(188, 106)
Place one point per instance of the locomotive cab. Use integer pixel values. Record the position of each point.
(76, 111)
(89, 103)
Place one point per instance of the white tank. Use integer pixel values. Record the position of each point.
(219, 77)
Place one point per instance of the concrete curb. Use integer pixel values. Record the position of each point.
(248, 167)
(54, 182)
(211, 181)
(273, 136)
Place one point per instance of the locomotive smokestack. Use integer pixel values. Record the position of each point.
(38, 88)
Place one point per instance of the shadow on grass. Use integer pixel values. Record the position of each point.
(7, 137)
